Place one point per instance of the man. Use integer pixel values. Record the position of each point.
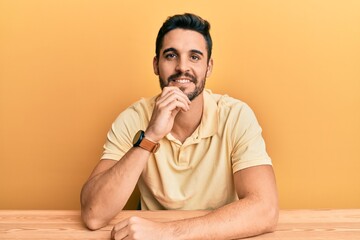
(198, 150)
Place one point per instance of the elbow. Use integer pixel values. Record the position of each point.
(95, 217)
(271, 219)
(92, 222)
(89, 216)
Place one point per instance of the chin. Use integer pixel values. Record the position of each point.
(193, 95)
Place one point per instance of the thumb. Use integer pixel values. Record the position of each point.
(175, 112)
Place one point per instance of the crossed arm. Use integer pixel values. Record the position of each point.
(255, 212)
(112, 182)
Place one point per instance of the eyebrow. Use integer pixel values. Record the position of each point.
(169, 50)
(197, 51)
(174, 50)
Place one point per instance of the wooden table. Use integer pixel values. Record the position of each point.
(293, 224)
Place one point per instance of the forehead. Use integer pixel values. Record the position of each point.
(184, 40)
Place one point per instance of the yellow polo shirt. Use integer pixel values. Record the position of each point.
(196, 174)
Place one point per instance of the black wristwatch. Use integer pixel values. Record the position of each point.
(141, 141)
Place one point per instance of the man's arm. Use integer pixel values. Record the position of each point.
(110, 185)
(255, 212)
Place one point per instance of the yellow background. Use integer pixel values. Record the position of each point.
(67, 68)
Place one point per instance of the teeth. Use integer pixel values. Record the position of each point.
(182, 81)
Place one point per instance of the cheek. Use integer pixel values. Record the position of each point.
(202, 71)
(166, 69)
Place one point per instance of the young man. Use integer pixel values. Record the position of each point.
(186, 148)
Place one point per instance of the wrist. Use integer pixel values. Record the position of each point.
(174, 230)
(140, 140)
(151, 136)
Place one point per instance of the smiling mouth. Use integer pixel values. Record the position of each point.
(182, 78)
(182, 81)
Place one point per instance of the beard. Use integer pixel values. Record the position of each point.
(199, 88)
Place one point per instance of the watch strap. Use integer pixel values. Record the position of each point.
(149, 145)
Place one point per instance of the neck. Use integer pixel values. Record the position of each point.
(187, 122)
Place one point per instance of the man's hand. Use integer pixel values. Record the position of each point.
(167, 106)
(139, 228)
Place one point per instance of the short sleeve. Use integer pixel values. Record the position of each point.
(119, 137)
(248, 144)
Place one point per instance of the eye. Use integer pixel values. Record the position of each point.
(170, 56)
(195, 58)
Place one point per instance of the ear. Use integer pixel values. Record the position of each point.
(209, 68)
(156, 65)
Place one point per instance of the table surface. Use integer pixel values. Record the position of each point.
(335, 224)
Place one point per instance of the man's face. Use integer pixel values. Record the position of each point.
(183, 62)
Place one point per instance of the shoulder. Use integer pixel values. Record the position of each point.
(137, 113)
(231, 113)
(228, 104)
(142, 106)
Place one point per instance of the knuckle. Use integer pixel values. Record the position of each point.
(133, 219)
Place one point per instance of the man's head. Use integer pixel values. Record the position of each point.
(187, 21)
(183, 54)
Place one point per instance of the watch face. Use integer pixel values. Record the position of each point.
(138, 137)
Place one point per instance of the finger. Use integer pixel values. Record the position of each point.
(121, 224)
(122, 233)
(119, 227)
(183, 95)
(172, 102)
(174, 96)
(175, 90)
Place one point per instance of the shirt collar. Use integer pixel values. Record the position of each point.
(209, 121)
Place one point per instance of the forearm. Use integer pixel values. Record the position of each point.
(243, 218)
(106, 193)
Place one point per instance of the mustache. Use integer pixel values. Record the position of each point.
(179, 75)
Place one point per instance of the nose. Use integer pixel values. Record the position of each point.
(182, 65)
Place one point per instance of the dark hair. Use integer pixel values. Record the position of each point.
(186, 21)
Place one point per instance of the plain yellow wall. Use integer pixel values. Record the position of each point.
(67, 68)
